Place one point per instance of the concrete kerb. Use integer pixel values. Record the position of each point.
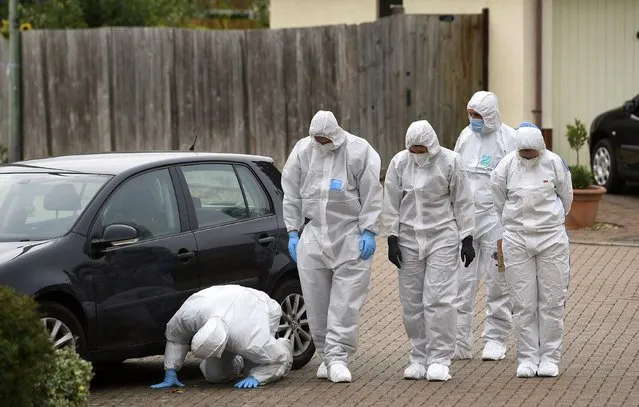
(604, 243)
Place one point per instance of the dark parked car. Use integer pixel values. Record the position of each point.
(110, 245)
(614, 146)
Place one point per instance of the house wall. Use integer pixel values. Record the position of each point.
(307, 13)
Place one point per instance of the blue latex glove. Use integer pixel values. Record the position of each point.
(247, 383)
(293, 240)
(170, 380)
(367, 244)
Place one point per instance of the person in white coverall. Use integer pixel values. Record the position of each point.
(428, 209)
(482, 145)
(230, 328)
(331, 180)
(532, 190)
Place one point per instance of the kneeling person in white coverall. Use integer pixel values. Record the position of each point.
(331, 178)
(482, 145)
(532, 190)
(428, 209)
(229, 327)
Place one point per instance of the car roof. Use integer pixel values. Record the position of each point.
(116, 163)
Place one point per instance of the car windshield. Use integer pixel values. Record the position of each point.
(40, 206)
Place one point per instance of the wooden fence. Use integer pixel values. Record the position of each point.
(254, 91)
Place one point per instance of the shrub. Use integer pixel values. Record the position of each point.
(68, 381)
(577, 136)
(25, 351)
(581, 177)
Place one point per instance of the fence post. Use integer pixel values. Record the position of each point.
(15, 85)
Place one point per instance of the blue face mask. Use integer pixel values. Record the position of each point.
(476, 125)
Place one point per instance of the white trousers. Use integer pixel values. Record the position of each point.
(538, 274)
(334, 293)
(498, 321)
(427, 290)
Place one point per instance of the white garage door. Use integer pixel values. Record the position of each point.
(595, 62)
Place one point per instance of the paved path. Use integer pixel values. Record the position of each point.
(600, 365)
(618, 220)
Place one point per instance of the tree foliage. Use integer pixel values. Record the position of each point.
(577, 136)
(58, 14)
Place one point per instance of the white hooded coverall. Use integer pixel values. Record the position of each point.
(532, 198)
(336, 186)
(229, 326)
(428, 205)
(480, 154)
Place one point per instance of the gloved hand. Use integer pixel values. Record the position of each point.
(467, 251)
(248, 382)
(293, 240)
(367, 244)
(394, 255)
(170, 380)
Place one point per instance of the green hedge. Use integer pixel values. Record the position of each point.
(68, 381)
(25, 351)
(33, 374)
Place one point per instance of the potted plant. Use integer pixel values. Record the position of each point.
(586, 195)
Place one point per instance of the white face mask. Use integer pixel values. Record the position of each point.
(324, 148)
(419, 159)
(528, 163)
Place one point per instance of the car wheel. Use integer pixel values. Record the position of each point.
(604, 167)
(294, 322)
(65, 331)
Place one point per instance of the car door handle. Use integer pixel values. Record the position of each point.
(185, 256)
(266, 240)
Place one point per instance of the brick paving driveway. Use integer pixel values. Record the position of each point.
(618, 220)
(600, 365)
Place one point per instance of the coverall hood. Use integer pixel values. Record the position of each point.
(530, 138)
(324, 124)
(211, 339)
(421, 133)
(487, 105)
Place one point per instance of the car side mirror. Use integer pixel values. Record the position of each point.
(117, 235)
(629, 107)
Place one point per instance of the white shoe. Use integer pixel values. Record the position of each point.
(493, 351)
(339, 373)
(548, 369)
(415, 371)
(462, 354)
(322, 371)
(526, 369)
(438, 373)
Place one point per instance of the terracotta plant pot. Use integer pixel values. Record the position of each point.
(585, 206)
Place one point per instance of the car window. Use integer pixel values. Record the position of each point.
(256, 199)
(146, 202)
(216, 194)
(36, 206)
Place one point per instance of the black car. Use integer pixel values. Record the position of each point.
(110, 245)
(614, 146)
